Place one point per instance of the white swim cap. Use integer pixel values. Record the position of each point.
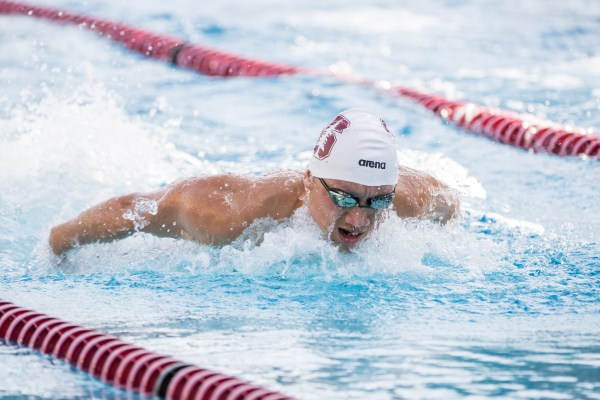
(356, 147)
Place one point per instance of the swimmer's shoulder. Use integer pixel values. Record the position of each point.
(276, 194)
(285, 179)
(413, 192)
(419, 194)
(415, 180)
(282, 192)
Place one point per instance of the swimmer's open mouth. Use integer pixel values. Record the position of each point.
(349, 237)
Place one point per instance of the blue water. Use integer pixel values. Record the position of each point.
(503, 303)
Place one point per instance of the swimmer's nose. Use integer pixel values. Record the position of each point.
(359, 218)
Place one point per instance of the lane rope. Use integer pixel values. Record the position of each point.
(501, 126)
(121, 364)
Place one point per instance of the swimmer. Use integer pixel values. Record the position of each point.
(352, 178)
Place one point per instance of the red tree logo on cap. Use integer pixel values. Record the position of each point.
(327, 139)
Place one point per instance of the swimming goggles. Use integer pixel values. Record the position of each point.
(346, 200)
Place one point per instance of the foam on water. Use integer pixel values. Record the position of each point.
(84, 143)
(65, 141)
(84, 140)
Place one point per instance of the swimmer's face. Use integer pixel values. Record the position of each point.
(345, 227)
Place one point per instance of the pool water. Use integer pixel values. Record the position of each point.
(504, 302)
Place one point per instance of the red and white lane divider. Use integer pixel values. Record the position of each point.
(510, 128)
(121, 364)
(501, 126)
(198, 58)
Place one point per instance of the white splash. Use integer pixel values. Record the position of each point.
(141, 206)
(445, 169)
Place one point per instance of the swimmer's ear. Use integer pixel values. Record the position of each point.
(308, 181)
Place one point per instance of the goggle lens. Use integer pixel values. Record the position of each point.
(346, 200)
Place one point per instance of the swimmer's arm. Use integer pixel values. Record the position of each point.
(210, 210)
(422, 196)
(111, 220)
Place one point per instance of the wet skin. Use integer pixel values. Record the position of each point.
(345, 227)
(215, 210)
